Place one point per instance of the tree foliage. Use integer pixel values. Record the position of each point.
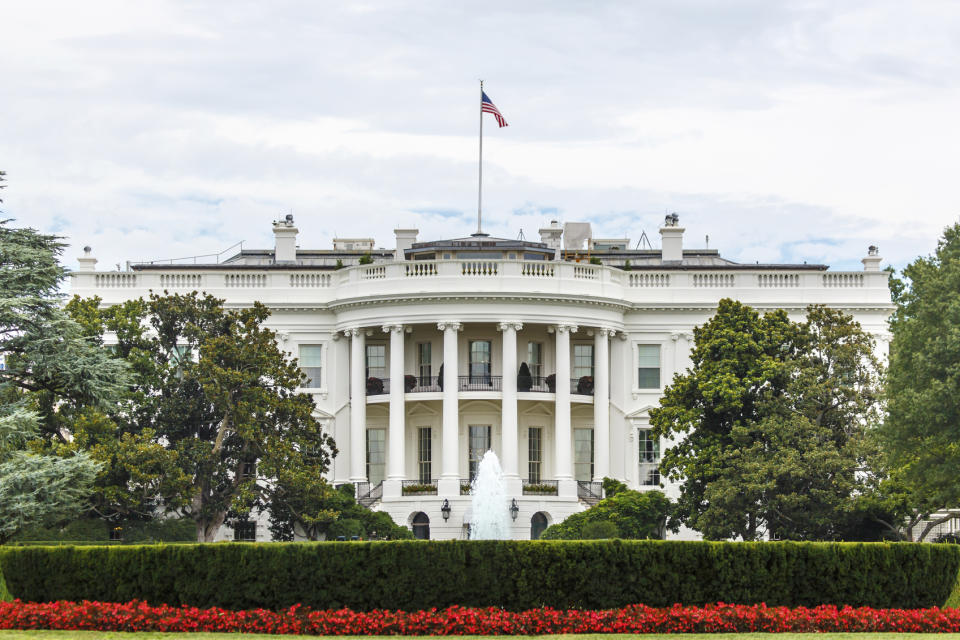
(770, 423)
(628, 514)
(52, 375)
(921, 432)
(214, 413)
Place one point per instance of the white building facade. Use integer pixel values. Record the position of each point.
(416, 359)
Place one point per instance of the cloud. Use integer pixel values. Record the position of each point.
(784, 131)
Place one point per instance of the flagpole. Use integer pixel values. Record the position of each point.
(480, 171)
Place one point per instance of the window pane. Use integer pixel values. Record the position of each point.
(648, 355)
(649, 459)
(424, 362)
(535, 359)
(479, 360)
(311, 363)
(648, 363)
(479, 443)
(583, 454)
(582, 360)
(425, 454)
(376, 360)
(376, 455)
(534, 454)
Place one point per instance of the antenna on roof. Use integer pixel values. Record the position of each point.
(708, 242)
(520, 235)
(644, 241)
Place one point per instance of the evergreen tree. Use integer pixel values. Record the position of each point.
(52, 375)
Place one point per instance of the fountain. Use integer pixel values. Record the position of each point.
(490, 519)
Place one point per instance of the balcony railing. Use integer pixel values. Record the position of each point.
(582, 386)
(417, 488)
(368, 495)
(588, 491)
(422, 384)
(465, 486)
(538, 384)
(480, 383)
(542, 488)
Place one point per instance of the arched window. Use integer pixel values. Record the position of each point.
(537, 525)
(421, 526)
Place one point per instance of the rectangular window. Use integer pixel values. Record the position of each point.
(535, 360)
(249, 470)
(534, 454)
(582, 360)
(245, 531)
(425, 454)
(424, 363)
(648, 366)
(649, 459)
(376, 455)
(479, 445)
(480, 361)
(377, 361)
(583, 454)
(310, 364)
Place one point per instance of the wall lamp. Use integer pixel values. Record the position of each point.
(445, 509)
(514, 509)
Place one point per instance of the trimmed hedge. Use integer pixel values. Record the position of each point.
(515, 575)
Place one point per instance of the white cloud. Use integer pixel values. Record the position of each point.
(785, 131)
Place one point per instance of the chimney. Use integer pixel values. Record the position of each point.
(285, 235)
(87, 262)
(872, 261)
(405, 240)
(671, 239)
(550, 236)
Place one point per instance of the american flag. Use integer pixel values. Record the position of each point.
(486, 106)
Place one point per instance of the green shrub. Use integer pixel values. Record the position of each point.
(632, 515)
(97, 530)
(612, 487)
(415, 575)
(599, 530)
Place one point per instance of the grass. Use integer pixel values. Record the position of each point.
(115, 635)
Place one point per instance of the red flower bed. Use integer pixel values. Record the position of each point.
(719, 618)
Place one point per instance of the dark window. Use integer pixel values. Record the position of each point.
(534, 454)
(480, 361)
(538, 523)
(421, 526)
(245, 531)
(648, 366)
(425, 454)
(377, 361)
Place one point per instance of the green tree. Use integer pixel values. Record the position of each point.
(770, 423)
(628, 514)
(215, 391)
(52, 374)
(315, 510)
(921, 433)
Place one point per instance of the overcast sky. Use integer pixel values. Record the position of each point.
(786, 131)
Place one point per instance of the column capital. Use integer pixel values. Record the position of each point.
(504, 326)
(606, 332)
(398, 328)
(449, 324)
(353, 332)
(564, 328)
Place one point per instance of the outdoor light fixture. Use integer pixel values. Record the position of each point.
(445, 509)
(514, 509)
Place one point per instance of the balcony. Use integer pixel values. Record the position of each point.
(542, 488)
(417, 488)
(582, 386)
(480, 383)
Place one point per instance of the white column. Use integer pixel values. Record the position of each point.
(509, 442)
(396, 468)
(449, 482)
(601, 404)
(562, 434)
(358, 404)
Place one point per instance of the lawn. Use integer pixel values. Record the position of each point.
(116, 635)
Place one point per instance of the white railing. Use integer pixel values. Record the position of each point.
(713, 280)
(843, 279)
(245, 280)
(479, 268)
(778, 280)
(311, 280)
(649, 280)
(180, 280)
(547, 278)
(115, 280)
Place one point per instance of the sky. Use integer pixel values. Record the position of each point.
(798, 131)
